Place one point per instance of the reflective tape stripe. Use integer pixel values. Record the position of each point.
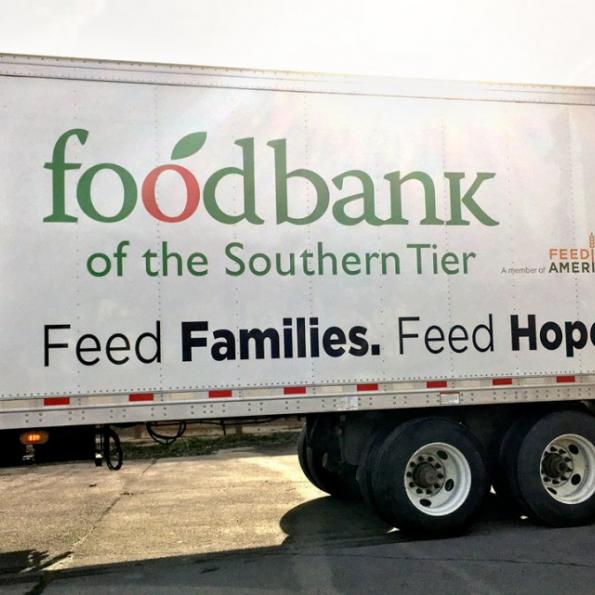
(437, 384)
(53, 401)
(136, 397)
(366, 387)
(294, 390)
(219, 394)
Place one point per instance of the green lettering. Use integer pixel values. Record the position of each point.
(247, 174)
(396, 181)
(236, 259)
(456, 201)
(83, 193)
(366, 196)
(58, 168)
(281, 177)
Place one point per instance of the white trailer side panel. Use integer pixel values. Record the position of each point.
(381, 254)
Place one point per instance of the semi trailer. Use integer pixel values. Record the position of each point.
(406, 264)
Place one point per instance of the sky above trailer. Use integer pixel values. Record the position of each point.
(533, 41)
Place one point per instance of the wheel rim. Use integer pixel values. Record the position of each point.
(437, 479)
(567, 469)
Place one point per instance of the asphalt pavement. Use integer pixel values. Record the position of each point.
(247, 521)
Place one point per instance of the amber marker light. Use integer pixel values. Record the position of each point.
(33, 437)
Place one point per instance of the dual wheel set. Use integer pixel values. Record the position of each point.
(432, 474)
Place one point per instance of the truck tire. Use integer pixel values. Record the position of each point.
(429, 476)
(338, 485)
(505, 483)
(552, 470)
(302, 451)
(366, 466)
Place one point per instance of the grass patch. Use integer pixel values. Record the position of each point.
(201, 445)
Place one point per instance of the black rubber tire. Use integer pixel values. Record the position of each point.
(389, 467)
(302, 451)
(367, 460)
(505, 483)
(524, 473)
(339, 485)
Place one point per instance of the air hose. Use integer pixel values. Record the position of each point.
(113, 454)
(165, 438)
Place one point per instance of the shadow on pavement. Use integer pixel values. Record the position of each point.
(27, 561)
(327, 521)
(314, 529)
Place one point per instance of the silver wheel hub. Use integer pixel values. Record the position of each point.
(567, 469)
(437, 479)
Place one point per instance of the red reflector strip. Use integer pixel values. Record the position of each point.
(501, 381)
(565, 379)
(136, 397)
(294, 390)
(365, 387)
(219, 394)
(53, 401)
(436, 384)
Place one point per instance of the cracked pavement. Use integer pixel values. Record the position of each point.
(247, 521)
